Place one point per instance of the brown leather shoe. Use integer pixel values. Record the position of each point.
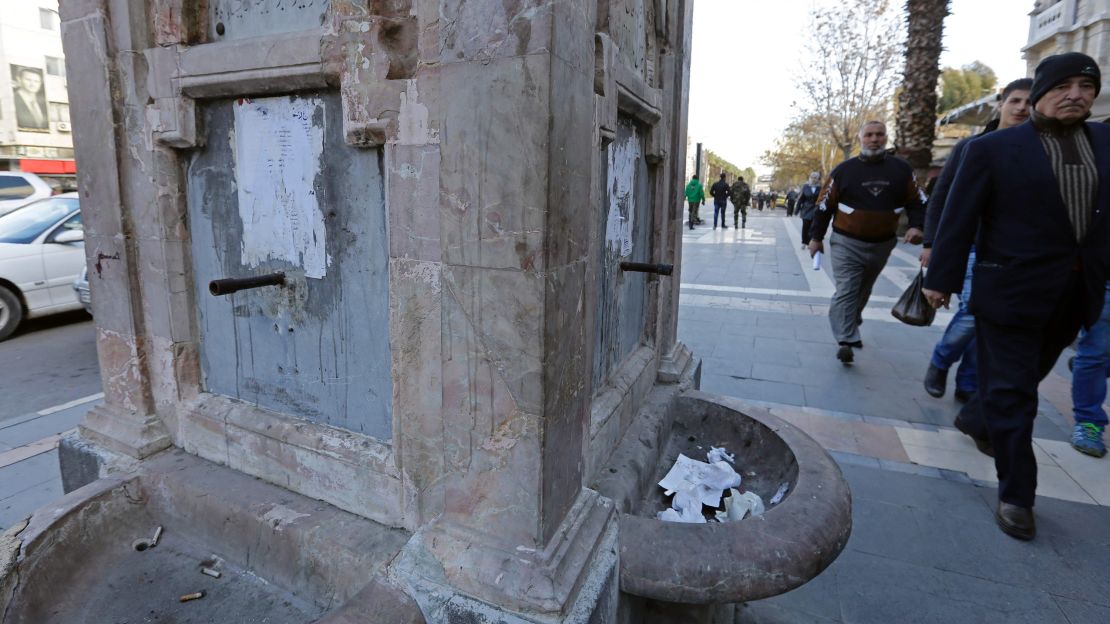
(1015, 521)
(985, 447)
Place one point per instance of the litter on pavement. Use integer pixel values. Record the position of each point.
(719, 454)
(705, 481)
(696, 483)
(739, 506)
(777, 498)
(144, 543)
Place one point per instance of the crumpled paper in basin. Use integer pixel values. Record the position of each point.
(695, 483)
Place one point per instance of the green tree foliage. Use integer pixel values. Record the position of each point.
(804, 147)
(714, 165)
(964, 85)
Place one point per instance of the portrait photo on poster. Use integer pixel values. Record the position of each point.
(30, 99)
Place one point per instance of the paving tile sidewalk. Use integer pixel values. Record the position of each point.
(924, 546)
(29, 473)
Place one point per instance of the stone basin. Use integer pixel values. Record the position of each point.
(732, 562)
(282, 558)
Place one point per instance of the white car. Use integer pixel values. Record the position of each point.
(81, 288)
(17, 189)
(42, 250)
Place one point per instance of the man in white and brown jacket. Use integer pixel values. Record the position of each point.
(863, 199)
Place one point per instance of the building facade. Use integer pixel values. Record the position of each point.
(1057, 26)
(34, 103)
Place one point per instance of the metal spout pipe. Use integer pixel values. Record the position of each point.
(647, 267)
(230, 285)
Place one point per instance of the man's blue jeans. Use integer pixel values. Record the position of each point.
(958, 342)
(719, 209)
(1088, 377)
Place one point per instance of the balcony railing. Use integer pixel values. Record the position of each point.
(1047, 22)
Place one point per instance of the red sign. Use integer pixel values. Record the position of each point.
(38, 165)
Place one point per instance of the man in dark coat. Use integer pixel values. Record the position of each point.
(1032, 199)
(958, 342)
(720, 193)
(791, 197)
(807, 204)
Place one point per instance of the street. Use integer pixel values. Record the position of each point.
(924, 545)
(50, 378)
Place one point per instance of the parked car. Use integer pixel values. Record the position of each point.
(42, 249)
(81, 287)
(17, 189)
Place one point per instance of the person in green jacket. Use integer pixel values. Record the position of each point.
(695, 194)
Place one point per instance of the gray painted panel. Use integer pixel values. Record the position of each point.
(622, 297)
(240, 19)
(319, 348)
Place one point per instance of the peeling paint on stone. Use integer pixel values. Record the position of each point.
(413, 120)
(278, 516)
(424, 272)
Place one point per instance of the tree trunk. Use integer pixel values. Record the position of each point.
(917, 102)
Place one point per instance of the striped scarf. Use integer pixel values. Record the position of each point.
(1073, 162)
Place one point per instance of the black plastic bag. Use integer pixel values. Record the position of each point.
(912, 307)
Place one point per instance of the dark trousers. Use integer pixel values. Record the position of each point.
(806, 223)
(1012, 362)
(719, 209)
(693, 213)
(790, 208)
(738, 211)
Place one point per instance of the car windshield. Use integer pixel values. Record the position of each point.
(29, 222)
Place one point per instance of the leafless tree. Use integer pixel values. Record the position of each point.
(854, 50)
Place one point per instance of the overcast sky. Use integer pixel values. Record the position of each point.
(747, 54)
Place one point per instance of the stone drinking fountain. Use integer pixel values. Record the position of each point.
(386, 294)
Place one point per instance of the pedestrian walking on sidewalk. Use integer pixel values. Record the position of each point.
(791, 198)
(1033, 199)
(807, 204)
(695, 195)
(863, 200)
(958, 342)
(741, 196)
(720, 193)
(1089, 369)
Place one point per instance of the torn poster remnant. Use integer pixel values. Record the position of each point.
(279, 143)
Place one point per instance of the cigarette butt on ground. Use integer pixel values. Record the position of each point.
(193, 596)
(210, 572)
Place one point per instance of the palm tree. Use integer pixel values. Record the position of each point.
(917, 100)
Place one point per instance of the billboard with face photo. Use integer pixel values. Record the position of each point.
(30, 98)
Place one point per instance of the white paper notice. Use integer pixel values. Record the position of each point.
(623, 157)
(278, 150)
